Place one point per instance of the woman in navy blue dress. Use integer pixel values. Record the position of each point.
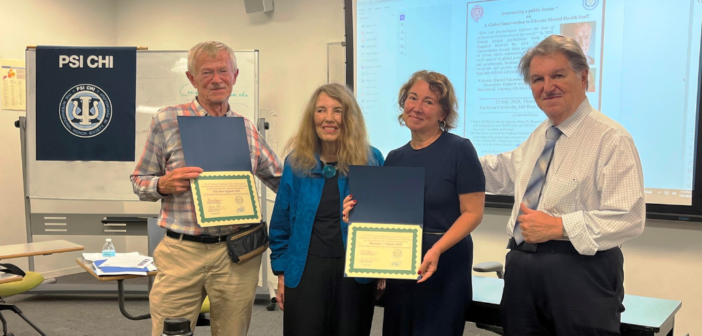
(454, 198)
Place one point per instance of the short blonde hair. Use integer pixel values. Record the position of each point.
(212, 48)
(353, 145)
(440, 85)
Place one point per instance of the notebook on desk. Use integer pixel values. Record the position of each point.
(100, 271)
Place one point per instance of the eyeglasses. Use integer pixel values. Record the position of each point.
(207, 74)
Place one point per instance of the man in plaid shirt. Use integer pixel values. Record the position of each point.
(193, 261)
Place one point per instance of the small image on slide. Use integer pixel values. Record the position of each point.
(584, 34)
(591, 82)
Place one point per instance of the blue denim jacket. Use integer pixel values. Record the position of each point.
(293, 216)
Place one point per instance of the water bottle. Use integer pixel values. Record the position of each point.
(108, 250)
(176, 327)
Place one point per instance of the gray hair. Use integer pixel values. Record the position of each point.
(556, 44)
(212, 48)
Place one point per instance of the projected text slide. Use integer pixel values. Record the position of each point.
(500, 110)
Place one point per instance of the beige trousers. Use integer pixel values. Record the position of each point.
(188, 271)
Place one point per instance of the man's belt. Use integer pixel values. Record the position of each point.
(197, 239)
(552, 246)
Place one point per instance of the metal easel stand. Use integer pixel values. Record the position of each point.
(21, 123)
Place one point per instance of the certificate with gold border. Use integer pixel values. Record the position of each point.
(225, 198)
(387, 251)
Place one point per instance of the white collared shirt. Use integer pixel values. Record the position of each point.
(594, 182)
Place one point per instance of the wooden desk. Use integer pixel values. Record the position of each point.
(88, 266)
(7, 278)
(35, 249)
(643, 315)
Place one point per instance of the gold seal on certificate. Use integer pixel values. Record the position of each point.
(225, 198)
(387, 251)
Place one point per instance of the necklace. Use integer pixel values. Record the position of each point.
(329, 170)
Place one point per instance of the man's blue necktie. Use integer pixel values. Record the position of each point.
(536, 182)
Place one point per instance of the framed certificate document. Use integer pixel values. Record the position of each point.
(225, 198)
(387, 251)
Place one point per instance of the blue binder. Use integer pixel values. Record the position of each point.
(215, 143)
(387, 195)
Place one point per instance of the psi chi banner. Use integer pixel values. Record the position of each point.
(85, 103)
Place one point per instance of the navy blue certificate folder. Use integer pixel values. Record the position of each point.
(215, 143)
(387, 195)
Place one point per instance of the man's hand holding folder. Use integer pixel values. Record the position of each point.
(177, 180)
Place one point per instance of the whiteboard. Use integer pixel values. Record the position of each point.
(161, 82)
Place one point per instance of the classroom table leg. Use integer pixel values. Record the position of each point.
(120, 292)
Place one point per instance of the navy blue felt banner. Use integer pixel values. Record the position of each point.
(85, 104)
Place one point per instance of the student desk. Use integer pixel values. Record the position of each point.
(7, 278)
(36, 249)
(33, 249)
(33, 280)
(643, 315)
(88, 266)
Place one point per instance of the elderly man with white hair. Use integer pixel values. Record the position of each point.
(578, 196)
(193, 261)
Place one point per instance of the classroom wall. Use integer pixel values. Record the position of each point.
(664, 262)
(292, 41)
(39, 22)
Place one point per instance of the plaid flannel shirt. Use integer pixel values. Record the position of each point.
(163, 153)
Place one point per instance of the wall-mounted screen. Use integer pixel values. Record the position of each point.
(644, 58)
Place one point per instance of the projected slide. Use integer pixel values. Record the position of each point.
(644, 62)
(501, 112)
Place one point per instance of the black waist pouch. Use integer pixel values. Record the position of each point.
(247, 243)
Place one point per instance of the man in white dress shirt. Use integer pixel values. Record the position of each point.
(579, 194)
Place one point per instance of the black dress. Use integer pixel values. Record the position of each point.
(437, 306)
(325, 303)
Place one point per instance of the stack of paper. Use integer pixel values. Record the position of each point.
(128, 261)
(98, 256)
(131, 264)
